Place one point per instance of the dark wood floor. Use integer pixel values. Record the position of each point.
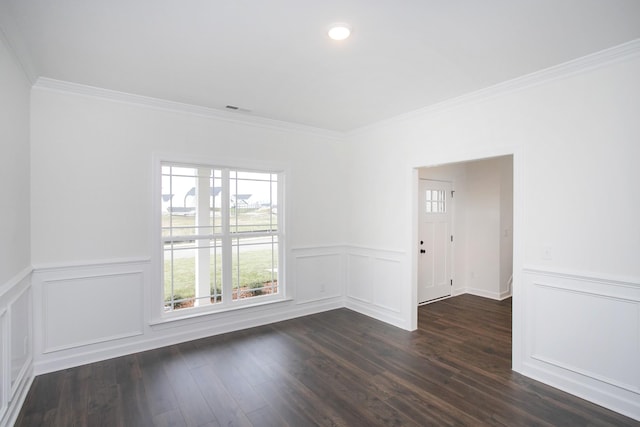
(335, 368)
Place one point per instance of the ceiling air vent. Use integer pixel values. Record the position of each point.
(236, 108)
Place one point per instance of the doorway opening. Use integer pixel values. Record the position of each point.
(465, 229)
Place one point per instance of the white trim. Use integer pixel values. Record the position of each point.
(568, 367)
(585, 276)
(373, 251)
(46, 348)
(570, 68)
(15, 405)
(15, 280)
(319, 250)
(617, 392)
(627, 406)
(28, 363)
(204, 315)
(498, 296)
(65, 266)
(371, 310)
(60, 86)
(14, 395)
(319, 253)
(369, 304)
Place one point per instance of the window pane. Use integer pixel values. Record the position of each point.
(435, 201)
(179, 276)
(252, 202)
(255, 267)
(180, 190)
(185, 264)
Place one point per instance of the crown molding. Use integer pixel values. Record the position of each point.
(600, 59)
(567, 69)
(53, 85)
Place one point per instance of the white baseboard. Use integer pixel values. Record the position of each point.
(619, 401)
(371, 311)
(15, 405)
(483, 293)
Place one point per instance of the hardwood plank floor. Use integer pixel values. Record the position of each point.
(337, 368)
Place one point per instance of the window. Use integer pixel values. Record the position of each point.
(220, 236)
(435, 201)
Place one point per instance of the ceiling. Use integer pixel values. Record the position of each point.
(273, 57)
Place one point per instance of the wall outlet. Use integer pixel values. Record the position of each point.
(547, 253)
(321, 287)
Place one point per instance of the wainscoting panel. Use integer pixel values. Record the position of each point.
(359, 277)
(377, 285)
(318, 274)
(20, 337)
(90, 312)
(583, 336)
(90, 305)
(385, 283)
(16, 349)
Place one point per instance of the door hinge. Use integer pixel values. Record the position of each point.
(452, 191)
(451, 282)
(452, 237)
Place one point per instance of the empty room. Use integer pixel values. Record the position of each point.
(319, 213)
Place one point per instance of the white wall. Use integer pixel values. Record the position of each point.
(489, 216)
(574, 134)
(92, 234)
(14, 166)
(15, 264)
(91, 162)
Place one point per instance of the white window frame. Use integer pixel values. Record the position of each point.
(156, 292)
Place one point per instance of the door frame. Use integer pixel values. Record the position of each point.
(518, 307)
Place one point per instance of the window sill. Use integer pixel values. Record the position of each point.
(212, 312)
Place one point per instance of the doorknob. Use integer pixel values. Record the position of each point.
(422, 251)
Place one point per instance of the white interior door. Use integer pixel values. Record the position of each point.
(434, 242)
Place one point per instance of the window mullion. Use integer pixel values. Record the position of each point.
(225, 210)
(203, 252)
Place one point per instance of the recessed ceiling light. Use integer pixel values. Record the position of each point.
(339, 31)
